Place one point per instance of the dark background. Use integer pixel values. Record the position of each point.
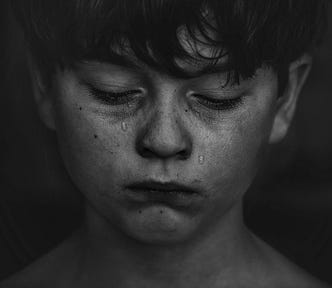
(290, 205)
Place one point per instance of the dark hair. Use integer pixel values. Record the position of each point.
(252, 33)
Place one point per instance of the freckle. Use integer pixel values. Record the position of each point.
(140, 211)
(161, 212)
(95, 136)
(124, 126)
(186, 110)
(80, 108)
(201, 159)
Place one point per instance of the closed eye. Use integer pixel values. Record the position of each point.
(218, 104)
(112, 97)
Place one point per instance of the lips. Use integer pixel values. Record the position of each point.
(169, 193)
(169, 187)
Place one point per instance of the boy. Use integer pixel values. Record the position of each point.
(163, 110)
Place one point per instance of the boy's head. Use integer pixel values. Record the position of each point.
(187, 93)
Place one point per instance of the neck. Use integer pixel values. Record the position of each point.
(206, 261)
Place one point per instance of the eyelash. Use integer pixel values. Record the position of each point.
(125, 97)
(113, 98)
(219, 104)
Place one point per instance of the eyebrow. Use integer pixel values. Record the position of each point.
(209, 69)
(220, 68)
(125, 62)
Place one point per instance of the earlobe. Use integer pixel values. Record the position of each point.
(298, 74)
(42, 96)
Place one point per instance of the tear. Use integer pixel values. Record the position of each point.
(201, 159)
(124, 126)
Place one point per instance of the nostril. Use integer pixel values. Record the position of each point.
(146, 152)
(152, 153)
(184, 154)
(163, 149)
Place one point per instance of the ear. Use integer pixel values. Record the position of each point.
(42, 95)
(286, 104)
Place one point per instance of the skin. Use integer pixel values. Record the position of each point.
(166, 125)
(162, 135)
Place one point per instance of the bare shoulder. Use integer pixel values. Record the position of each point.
(294, 276)
(282, 273)
(46, 271)
(31, 276)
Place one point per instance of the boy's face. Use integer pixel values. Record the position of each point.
(161, 129)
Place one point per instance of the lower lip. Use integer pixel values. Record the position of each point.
(170, 198)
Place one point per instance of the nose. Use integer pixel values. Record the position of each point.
(164, 136)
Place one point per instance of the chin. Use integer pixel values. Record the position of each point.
(159, 224)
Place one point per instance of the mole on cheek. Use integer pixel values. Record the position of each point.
(80, 108)
(96, 136)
